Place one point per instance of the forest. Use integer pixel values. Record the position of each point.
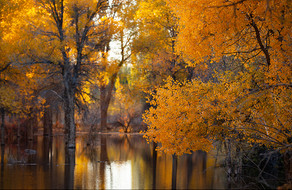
(188, 75)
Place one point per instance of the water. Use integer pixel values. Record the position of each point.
(112, 161)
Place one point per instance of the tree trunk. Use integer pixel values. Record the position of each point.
(105, 98)
(57, 116)
(103, 108)
(48, 123)
(70, 130)
(2, 126)
(18, 128)
(228, 160)
(31, 124)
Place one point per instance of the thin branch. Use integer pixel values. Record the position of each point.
(259, 40)
(5, 67)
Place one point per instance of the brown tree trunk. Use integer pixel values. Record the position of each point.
(57, 113)
(228, 160)
(103, 108)
(70, 130)
(48, 122)
(31, 124)
(18, 127)
(2, 126)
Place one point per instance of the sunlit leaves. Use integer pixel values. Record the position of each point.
(175, 118)
(188, 116)
(212, 28)
(252, 103)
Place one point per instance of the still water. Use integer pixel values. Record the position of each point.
(112, 161)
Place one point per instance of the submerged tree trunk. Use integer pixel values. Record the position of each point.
(2, 126)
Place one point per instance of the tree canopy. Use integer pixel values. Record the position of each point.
(250, 100)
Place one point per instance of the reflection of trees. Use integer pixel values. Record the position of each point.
(2, 165)
(189, 169)
(96, 152)
(91, 152)
(104, 160)
(2, 156)
(47, 159)
(48, 119)
(108, 148)
(47, 150)
(127, 147)
(154, 162)
(69, 168)
(174, 171)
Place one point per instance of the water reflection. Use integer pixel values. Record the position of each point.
(2, 165)
(113, 161)
(69, 168)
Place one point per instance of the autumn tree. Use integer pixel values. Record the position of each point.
(72, 32)
(252, 102)
(175, 121)
(128, 99)
(156, 57)
(122, 36)
(12, 77)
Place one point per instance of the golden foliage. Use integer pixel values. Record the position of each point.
(186, 117)
(211, 28)
(252, 104)
(175, 119)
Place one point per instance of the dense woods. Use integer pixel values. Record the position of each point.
(190, 75)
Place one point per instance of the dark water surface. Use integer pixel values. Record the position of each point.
(113, 161)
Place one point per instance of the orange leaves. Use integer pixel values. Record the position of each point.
(211, 28)
(188, 116)
(174, 120)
